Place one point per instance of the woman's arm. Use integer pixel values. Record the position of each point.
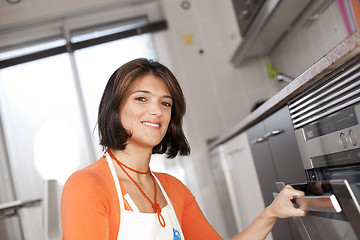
(281, 207)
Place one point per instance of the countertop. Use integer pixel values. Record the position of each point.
(341, 53)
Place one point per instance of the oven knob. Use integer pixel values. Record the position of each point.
(343, 140)
(353, 139)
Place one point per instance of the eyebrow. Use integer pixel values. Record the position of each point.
(148, 92)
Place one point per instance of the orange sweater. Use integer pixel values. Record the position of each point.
(90, 206)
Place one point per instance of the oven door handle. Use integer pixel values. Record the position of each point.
(327, 203)
(347, 196)
(322, 203)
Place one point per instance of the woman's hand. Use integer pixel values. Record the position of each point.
(282, 207)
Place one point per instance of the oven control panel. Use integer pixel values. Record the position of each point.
(332, 140)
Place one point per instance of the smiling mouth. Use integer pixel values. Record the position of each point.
(151, 124)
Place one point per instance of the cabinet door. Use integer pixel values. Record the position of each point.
(267, 176)
(263, 162)
(284, 149)
(285, 152)
(267, 173)
(222, 192)
(247, 200)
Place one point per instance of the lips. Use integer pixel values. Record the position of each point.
(152, 124)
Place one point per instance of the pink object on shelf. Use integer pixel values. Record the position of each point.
(344, 15)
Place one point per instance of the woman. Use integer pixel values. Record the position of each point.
(118, 197)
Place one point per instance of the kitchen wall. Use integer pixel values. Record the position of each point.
(197, 49)
(304, 45)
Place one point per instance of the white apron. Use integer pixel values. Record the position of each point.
(136, 225)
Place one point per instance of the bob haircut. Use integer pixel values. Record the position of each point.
(113, 135)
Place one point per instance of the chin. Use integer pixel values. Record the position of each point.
(148, 144)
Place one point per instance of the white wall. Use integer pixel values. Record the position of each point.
(303, 46)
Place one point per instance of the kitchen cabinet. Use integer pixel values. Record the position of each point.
(241, 181)
(276, 158)
(264, 23)
(222, 192)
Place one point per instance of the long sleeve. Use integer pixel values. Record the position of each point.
(195, 225)
(192, 220)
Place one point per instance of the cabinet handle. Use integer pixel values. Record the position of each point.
(266, 136)
(273, 133)
(258, 140)
(236, 150)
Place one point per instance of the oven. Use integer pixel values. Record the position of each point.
(326, 119)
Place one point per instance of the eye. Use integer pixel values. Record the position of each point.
(141, 99)
(166, 104)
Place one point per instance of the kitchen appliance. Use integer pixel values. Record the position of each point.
(246, 11)
(326, 119)
(262, 23)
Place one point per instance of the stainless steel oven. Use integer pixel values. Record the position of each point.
(326, 120)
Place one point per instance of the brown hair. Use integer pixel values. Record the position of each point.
(112, 133)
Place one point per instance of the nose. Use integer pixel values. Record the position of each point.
(156, 109)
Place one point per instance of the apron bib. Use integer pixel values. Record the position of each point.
(136, 225)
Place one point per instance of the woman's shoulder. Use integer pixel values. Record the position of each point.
(96, 174)
(174, 186)
(168, 179)
(94, 170)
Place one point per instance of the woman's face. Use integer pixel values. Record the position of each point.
(146, 111)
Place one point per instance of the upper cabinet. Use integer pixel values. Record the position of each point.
(262, 23)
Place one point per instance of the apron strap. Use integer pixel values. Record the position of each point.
(121, 200)
(116, 181)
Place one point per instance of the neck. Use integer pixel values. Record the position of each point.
(137, 159)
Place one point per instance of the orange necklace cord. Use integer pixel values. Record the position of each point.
(155, 205)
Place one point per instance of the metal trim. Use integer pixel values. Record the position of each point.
(331, 104)
(332, 110)
(149, 28)
(322, 94)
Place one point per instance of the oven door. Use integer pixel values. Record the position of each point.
(333, 210)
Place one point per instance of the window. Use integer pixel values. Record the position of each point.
(43, 129)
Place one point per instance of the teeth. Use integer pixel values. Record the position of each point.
(151, 124)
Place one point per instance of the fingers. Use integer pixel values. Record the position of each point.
(297, 212)
(292, 193)
(287, 194)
